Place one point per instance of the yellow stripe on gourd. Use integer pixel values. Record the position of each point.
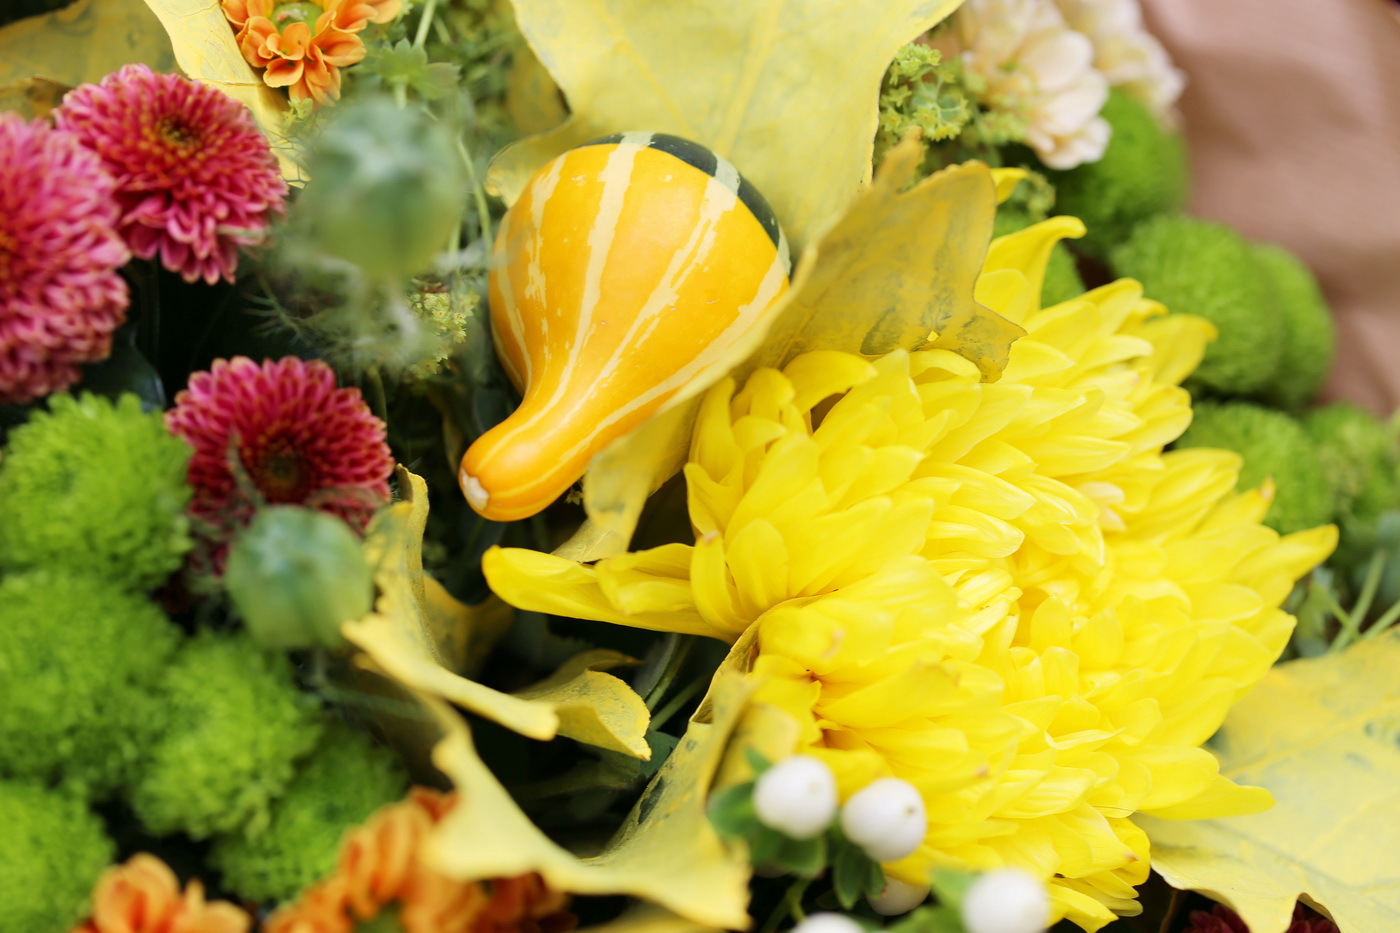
(620, 274)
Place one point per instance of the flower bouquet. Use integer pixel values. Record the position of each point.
(655, 468)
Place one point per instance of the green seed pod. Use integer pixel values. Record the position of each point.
(295, 575)
(387, 188)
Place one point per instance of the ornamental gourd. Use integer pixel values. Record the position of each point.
(628, 266)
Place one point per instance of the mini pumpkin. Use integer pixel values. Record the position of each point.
(627, 268)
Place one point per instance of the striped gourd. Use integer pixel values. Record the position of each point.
(627, 267)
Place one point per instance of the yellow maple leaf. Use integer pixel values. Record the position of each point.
(1324, 736)
(75, 45)
(666, 851)
(784, 89)
(420, 636)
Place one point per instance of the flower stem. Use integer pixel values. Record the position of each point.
(147, 281)
(679, 650)
(1352, 621)
(424, 23)
(660, 717)
(483, 212)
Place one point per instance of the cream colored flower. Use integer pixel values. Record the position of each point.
(1126, 53)
(1037, 67)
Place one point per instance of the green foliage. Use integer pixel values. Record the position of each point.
(98, 488)
(405, 66)
(946, 107)
(1142, 173)
(481, 41)
(451, 324)
(1062, 281)
(54, 850)
(920, 94)
(77, 656)
(1309, 336)
(1197, 267)
(1272, 444)
(1358, 451)
(343, 781)
(234, 727)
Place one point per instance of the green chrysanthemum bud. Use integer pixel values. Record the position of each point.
(97, 488)
(1359, 452)
(1142, 173)
(387, 188)
(295, 575)
(54, 850)
(1197, 267)
(1309, 336)
(1273, 445)
(339, 785)
(78, 656)
(233, 726)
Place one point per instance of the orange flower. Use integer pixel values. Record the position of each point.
(143, 896)
(379, 871)
(303, 44)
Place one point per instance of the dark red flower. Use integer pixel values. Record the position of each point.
(1224, 920)
(195, 177)
(280, 432)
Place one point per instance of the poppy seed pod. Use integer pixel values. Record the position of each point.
(295, 575)
(387, 188)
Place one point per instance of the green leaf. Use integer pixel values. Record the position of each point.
(732, 813)
(951, 886)
(802, 857)
(850, 872)
(874, 878)
(1323, 734)
(940, 918)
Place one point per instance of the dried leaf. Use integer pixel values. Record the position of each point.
(1323, 735)
(532, 97)
(593, 707)
(898, 266)
(753, 81)
(420, 636)
(666, 852)
(206, 50)
(75, 45)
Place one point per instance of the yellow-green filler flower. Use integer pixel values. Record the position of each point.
(1003, 593)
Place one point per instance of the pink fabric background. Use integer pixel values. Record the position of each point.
(1292, 115)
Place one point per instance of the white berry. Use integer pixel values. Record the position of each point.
(797, 797)
(886, 819)
(828, 923)
(898, 897)
(1007, 900)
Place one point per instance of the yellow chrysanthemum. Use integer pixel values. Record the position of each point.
(1004, 593)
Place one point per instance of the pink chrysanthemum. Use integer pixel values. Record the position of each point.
(60, 294)
(195, 178)
(279, 432)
